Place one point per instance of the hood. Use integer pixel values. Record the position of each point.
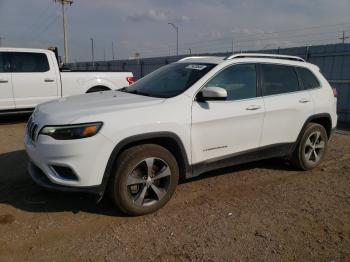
(66, 110)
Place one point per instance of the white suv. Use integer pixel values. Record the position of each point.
(192, 116)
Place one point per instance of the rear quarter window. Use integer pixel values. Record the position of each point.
(308, 79)
(23, 62)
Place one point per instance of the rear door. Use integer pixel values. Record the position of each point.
(34, 79)
(287, 105)
(6, 92)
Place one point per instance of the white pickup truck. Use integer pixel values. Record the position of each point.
(32, 76)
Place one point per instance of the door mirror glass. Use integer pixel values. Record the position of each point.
(213, 93)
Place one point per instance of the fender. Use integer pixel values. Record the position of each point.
(142, 137)
(308, 120)
(97, 82)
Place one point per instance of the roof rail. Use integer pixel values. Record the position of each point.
(194, 57)
(252, 55)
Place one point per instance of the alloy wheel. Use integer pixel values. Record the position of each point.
(149, 181)
(314, 148)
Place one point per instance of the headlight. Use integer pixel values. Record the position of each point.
(69, 132)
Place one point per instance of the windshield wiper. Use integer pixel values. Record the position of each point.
(123, 89)
(138, 93)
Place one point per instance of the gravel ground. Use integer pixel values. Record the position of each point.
(263, 211)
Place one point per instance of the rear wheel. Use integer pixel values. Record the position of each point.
(311, 148)
(145, 179)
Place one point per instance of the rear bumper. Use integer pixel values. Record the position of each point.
(42, 180)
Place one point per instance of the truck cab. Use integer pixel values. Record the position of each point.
(29, 77)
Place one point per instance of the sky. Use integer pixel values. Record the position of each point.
(142, 25)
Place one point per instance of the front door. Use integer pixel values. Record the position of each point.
(223, 128)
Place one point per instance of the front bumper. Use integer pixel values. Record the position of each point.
(85, 158)
(42, 180)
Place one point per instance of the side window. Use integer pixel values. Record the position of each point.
(279, 79)
(238, 80)
(308, 79)
(2, 63)
(29, 62)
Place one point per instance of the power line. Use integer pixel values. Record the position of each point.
(343, 38)
(46, 16)
(45, 28)
(269, 33)
(287, 37)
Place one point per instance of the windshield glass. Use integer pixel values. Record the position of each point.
(170, 80)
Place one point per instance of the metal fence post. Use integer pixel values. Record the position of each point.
(307, 53)
(141, 69)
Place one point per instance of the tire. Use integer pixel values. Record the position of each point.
(311, 148)
(145, 179)
(97, 89)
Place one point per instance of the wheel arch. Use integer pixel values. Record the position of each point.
(323, 119)
(98, 82)
(168, 140)
(97, 88)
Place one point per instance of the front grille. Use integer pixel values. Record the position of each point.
(32, 129)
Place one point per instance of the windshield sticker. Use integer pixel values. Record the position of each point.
(196, 67)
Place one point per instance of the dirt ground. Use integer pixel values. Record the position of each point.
(264, 211)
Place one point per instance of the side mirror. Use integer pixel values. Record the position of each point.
(212, 93)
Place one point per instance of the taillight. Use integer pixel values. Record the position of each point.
(131, 80)
(335, 93)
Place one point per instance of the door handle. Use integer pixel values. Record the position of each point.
(48, 80)
(3, 81)
(253, 107)
(304, 100)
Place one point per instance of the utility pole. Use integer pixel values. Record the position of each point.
(177, 37)
(92, 53)
(104, 54)
(190, 51)
(65, 35)
(343, 38)
(1, 38)
(232, 46)
(113, 50)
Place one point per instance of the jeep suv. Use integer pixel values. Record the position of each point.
(186, 118)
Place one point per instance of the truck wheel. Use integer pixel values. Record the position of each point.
(145, 179)
(311, 147)
(97, 89)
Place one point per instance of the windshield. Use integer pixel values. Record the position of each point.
(170, 80)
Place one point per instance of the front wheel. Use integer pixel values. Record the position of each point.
(311, 148)
(145, 179)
